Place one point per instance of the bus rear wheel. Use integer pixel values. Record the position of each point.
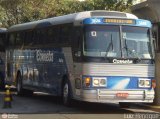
(66, 94)
(2, 82)
(20, 90)
(19, 85)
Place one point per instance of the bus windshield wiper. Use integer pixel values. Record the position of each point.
(109, 46)
(131, 52)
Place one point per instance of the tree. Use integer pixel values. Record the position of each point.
(117, 5)
(20, 11)
(10, 11)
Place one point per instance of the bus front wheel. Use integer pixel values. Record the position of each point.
(124, 104)
(66, 93)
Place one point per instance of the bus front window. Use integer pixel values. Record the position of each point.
(136, 42)
(102, 41)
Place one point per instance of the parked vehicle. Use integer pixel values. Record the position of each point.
(94, 56)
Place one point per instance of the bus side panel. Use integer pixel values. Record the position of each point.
(42, 69)
(74, 71)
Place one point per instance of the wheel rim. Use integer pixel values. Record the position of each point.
(65, 92)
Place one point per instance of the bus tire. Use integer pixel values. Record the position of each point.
(2, 82)
(19, 85)
(27, 92)
(66, 93)
(124, 105)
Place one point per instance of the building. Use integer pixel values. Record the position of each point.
(150, 10)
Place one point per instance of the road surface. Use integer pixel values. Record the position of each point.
(41, 105)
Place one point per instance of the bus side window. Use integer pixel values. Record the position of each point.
(38, 38)
(28, 38)
(49, 36)
(19, 39)
(12, 39)
(34, 37)
(52, 35)
(2, 42)
(65, 32)
(56, 34)
(43, 36)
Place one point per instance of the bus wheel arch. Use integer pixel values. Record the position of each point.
(66, 91)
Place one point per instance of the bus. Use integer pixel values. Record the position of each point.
(94, 56)
(3, 32)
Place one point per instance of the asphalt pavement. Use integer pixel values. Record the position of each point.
(44, 106)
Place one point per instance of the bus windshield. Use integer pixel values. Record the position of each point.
(105, 41)
(136, 42)
(101, 41)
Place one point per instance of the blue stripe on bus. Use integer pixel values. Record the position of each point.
(122, 82)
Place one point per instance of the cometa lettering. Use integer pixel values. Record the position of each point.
(116, 61)
(44, 56)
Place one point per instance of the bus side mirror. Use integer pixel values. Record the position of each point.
(2, 45)
(154, 43)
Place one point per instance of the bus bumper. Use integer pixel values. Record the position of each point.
(110, 96)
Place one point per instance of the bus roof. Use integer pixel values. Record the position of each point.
(3, 30)
(75, 18)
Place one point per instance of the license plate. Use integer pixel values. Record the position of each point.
(122, 95)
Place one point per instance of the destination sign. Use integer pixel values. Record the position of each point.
(119, 21)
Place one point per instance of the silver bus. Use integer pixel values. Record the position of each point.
(93, 56)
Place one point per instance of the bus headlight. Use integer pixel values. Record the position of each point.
(99, 81)
(96, 82)
(144, 83)
(147, 83)
(153, 83)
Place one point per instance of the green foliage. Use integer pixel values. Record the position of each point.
(20, 11)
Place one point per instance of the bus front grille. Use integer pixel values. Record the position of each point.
(104, 69)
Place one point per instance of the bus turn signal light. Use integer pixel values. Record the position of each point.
(153, 83)
(87, 81)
